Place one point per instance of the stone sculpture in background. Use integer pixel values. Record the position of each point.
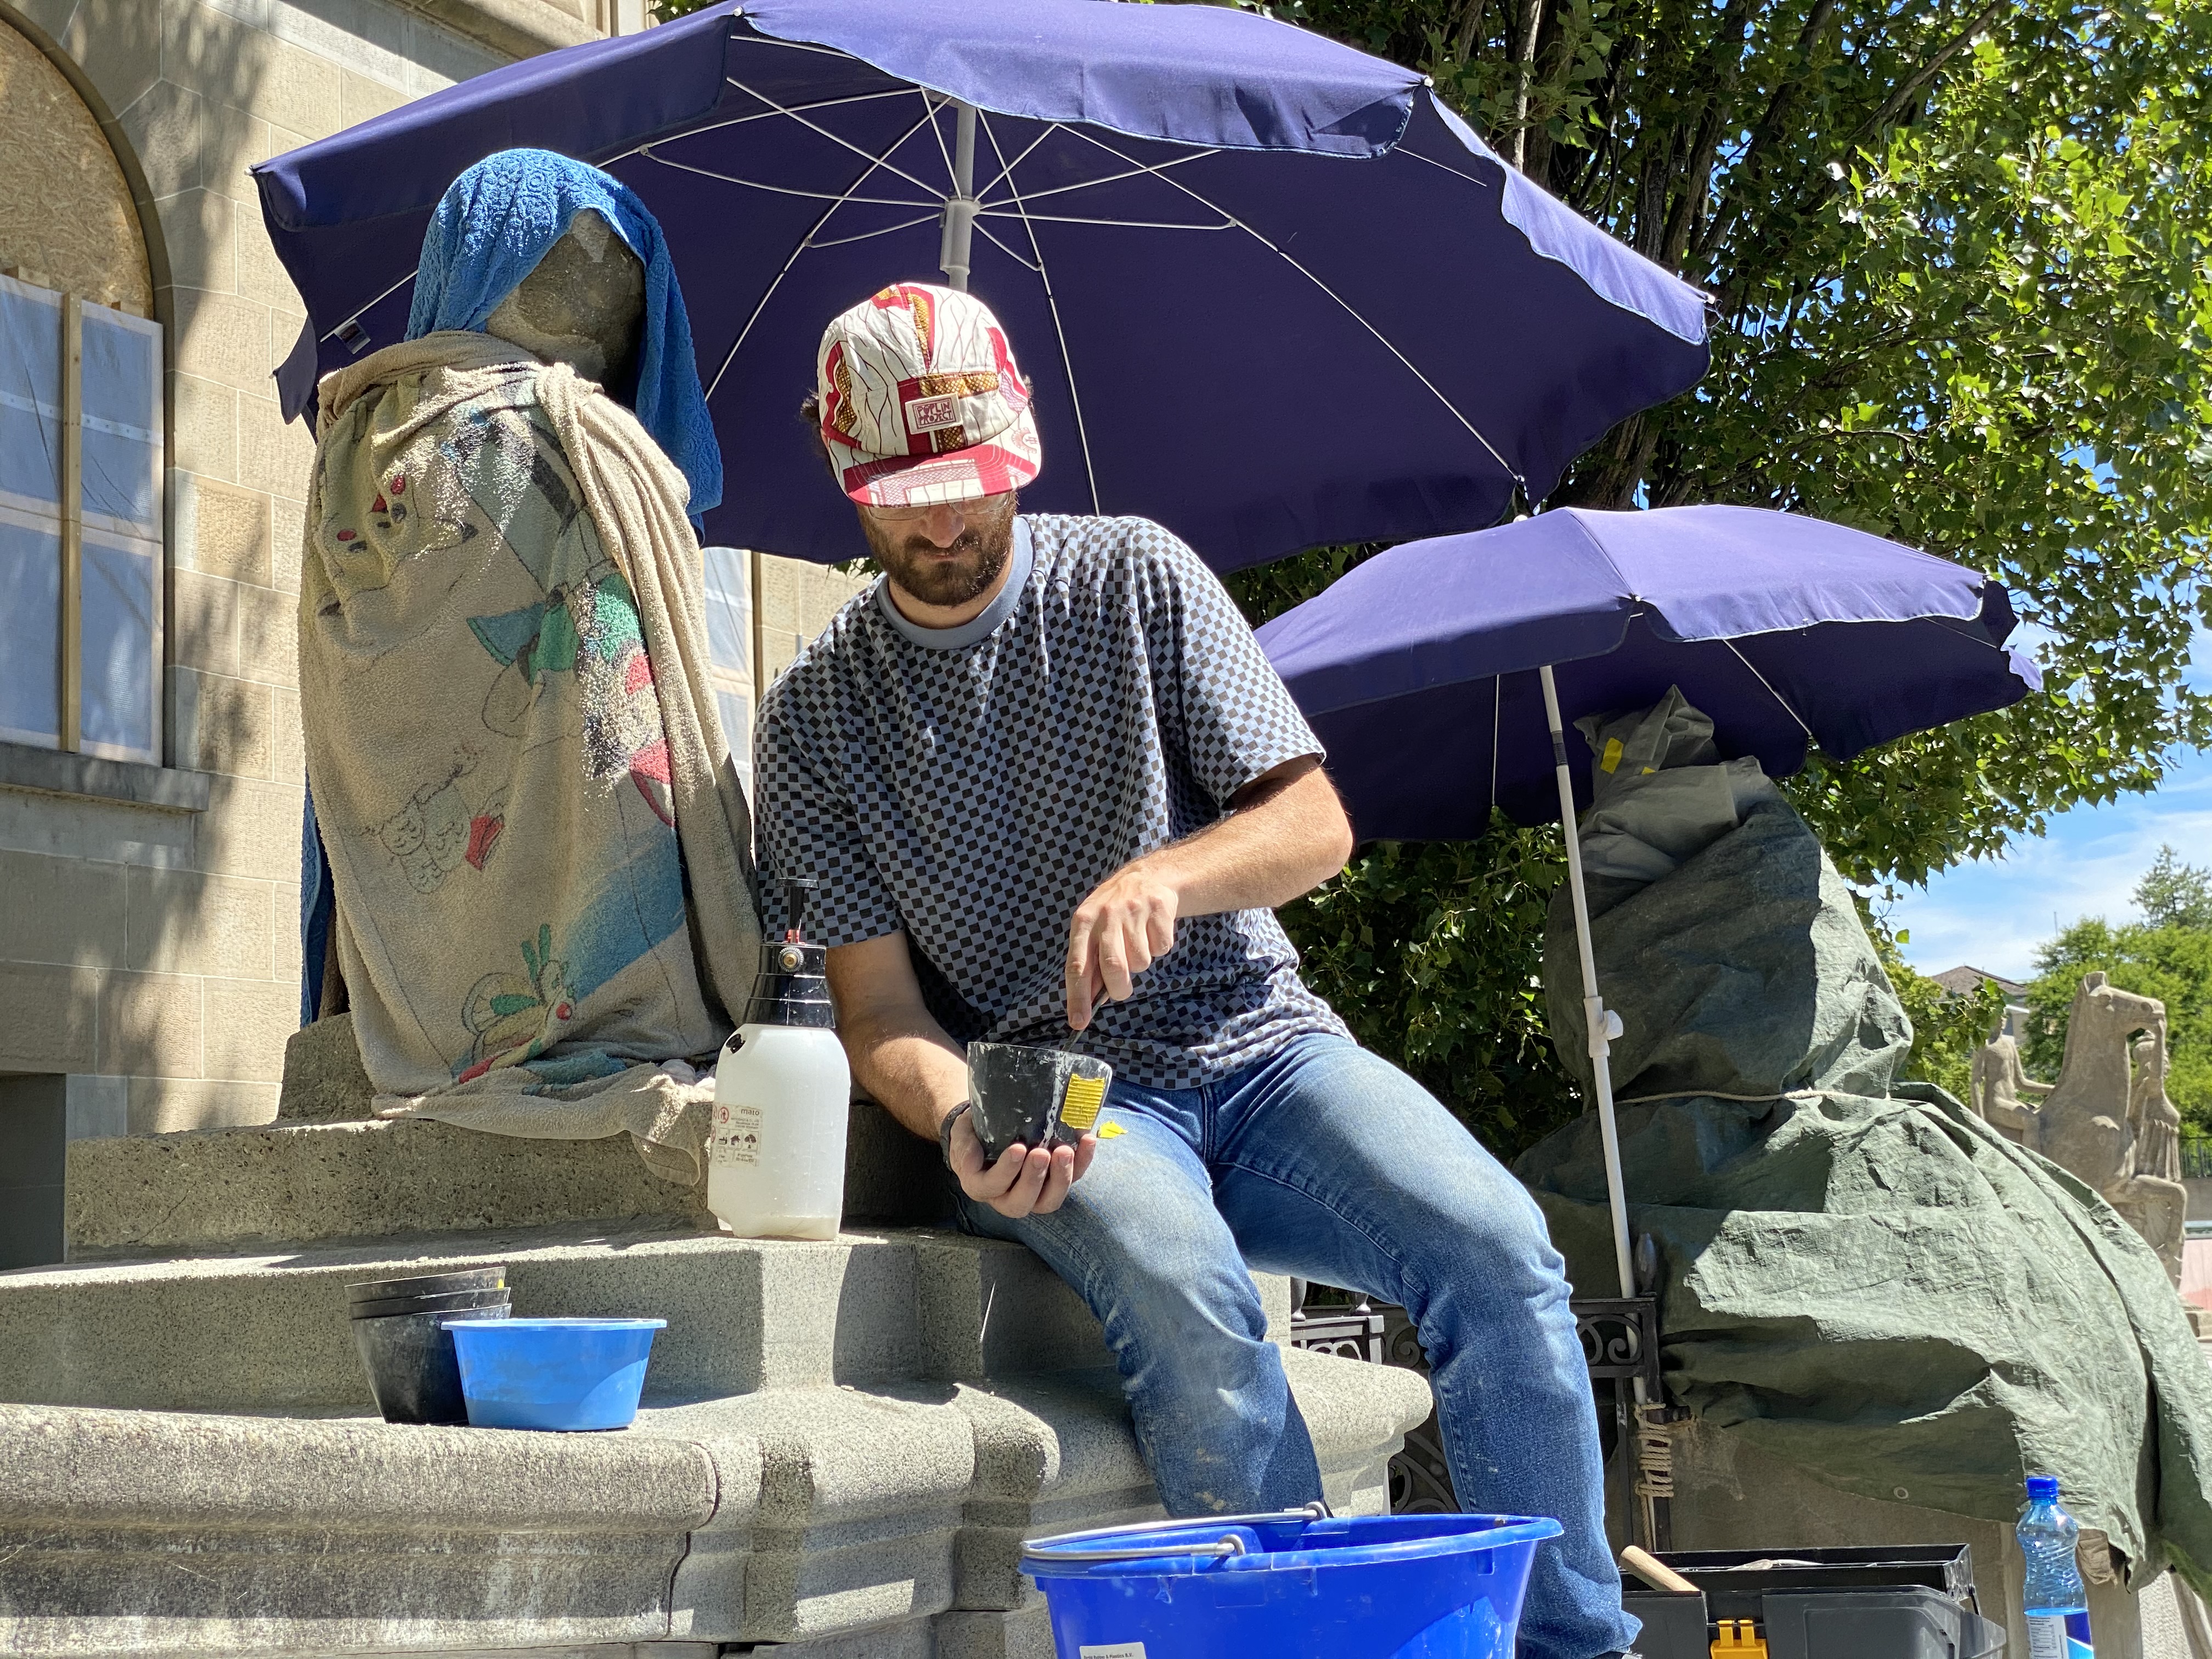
(2157, 1123)
(1998, 1081)
(2090, 1121)
(2158, 1120)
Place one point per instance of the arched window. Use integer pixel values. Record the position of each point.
(82, 444)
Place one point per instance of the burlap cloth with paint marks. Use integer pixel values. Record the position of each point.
(541, 855)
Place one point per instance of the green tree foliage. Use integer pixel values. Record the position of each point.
(2172, 894)
(1958, 250)
(1946, 1027)
(1958, 255)
(1432, 953)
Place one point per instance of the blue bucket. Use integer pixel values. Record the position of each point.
(1298, 1585)
(554, 1373)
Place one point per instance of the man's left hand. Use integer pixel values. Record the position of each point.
(1115, 933)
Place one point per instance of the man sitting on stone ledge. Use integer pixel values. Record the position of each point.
(1050, 790)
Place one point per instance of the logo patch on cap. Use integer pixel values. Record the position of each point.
(932, 413)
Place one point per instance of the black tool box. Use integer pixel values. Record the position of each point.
(1902, 1601)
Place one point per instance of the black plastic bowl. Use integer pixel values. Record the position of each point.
(464, 1279)
(411, 1364)
(457, 1301)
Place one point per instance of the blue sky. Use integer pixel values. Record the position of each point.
(1992, 915)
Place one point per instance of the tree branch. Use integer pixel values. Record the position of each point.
(1470, 24)
(1535, 21)
(1765, 130)
(1900, 101)
(1728, 53)
(1829, 183)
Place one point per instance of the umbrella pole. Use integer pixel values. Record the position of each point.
(959, 221)
(1654, 1454)
(1601, 1025)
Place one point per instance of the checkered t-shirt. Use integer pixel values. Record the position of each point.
(971, 786)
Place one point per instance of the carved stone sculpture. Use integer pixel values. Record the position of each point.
(2158, 1120)
(1998, 1081)
(2089, 1121)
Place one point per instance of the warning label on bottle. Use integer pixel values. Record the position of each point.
(2058, 1637)
(1112, 1650)
(737, 1134)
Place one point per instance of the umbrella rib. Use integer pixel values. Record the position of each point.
(651, 155)
(1066, 361)
(1350, 310)
(804, 242)
(1007, 167)
(795, 45)
(1118, 224)
(646, 148)
(888, 230)
(1483, 183)
(1137, 171)
(1497, 725)
(881, 161)
(1026, 264)
(377, 302)
(1771, 692)
(937, 132)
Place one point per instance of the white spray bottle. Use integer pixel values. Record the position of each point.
(783, 1091)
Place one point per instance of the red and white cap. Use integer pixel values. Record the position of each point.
(921, 401)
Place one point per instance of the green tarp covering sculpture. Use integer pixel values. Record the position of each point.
(1858, 1274)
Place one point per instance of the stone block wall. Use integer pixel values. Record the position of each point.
(795, 603)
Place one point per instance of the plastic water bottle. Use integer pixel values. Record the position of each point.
(775, 1167)
(2058, 1606)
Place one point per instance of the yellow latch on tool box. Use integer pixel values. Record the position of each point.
(1739, 1640)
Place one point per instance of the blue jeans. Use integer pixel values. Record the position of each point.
(1328, 1163)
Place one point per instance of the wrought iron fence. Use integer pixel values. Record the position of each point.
(1620, 1346)
(2196, 1157)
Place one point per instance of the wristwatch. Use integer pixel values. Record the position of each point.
(945, 1129)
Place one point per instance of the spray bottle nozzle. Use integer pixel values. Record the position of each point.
(792, 989)
(795, 890)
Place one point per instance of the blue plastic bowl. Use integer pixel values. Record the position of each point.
(554, 1373)
(1292, 1586)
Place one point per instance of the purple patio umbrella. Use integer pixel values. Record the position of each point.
(1442, 674)
(1269, 291)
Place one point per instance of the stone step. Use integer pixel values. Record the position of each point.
(268, 1331)
(303, 1183)
(881, 1523)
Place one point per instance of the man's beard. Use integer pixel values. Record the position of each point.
(945, 577)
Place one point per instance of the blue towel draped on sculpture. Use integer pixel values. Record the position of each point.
(500, 218)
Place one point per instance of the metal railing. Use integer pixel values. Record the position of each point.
(2196, 1157)
(1620, 1344)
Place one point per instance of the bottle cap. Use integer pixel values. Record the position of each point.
(2042, 1486)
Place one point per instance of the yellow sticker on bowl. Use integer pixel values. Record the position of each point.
(1078, 1108)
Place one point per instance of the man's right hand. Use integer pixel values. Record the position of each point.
(1026, 1180)
(901, 1057)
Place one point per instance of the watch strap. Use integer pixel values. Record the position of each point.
(945, 1129)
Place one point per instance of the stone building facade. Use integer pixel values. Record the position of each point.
(151, 503)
